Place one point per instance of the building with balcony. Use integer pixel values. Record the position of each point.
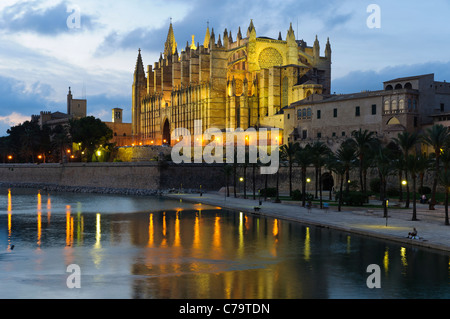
(405, 104)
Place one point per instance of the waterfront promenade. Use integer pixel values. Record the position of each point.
(360, 220)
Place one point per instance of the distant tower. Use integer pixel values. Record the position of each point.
(76, 107)
(69, 102)
(117, 115)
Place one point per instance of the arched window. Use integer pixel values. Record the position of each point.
(408, 86)
(299, 114)
(308, 112)
(401, 105)
(394, 106)
(414, 105)
(409, 104)
(389, 87)
(304, 113)
(387, 106)
(398, 86)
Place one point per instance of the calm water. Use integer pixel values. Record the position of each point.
(141, 247)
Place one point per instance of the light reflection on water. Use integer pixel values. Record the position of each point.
(143, 247)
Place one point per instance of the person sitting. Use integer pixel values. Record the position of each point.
(413, 234)
(423, 199)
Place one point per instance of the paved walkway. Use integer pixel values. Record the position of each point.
(365, 221)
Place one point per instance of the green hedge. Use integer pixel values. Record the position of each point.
(353, 198)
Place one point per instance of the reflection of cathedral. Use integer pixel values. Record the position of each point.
(225, 83)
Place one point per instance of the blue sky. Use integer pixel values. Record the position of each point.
(41, 56)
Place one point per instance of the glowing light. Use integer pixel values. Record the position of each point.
(9, 218)
(307, 246)
(275, 229)
(69, 225)
(39, 156)
(403, 256)
(177, 240)
(9, 201)
(68, 151)
(404, 182)
(98, 231)
(150, 231)
(241, 179)
(10, 157)
(39, 227)
(99, 153)
(308, 180)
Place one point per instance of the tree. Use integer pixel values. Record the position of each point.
(90, 132)
(60, 139)
(288, 152)
(407, 142)
(444, 180)
(437, 136)
(319, 153)
(341, 163)
(416, 165)
(364, 142)
(383, 160)
(303, 157)
(227, 170)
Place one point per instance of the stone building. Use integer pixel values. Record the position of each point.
(76, 108)
(226, 82)
(405, 104)
(121, 131)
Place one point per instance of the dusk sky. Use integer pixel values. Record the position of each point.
(41, 54)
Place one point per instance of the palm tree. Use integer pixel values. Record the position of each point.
(227, 170)
(444, 180)
(364, 141)
(437, 136)
(407, 142)
(319, 153)
(341, 163)
(288, 152)
(303, 157)
(416, 165)
(383, 160)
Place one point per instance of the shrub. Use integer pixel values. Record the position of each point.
(392, 191)
(268, 192)
(375, 185)
(424, 190)
(297, 195)
(352, 198)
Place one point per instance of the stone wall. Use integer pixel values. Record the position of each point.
(106, 175)
(154, 175)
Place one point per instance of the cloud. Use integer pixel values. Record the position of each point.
(357, 81)
(14, 119)
(28, 17)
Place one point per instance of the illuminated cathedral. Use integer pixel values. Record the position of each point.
(226, 82)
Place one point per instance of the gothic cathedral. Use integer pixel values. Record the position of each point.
(225, 83)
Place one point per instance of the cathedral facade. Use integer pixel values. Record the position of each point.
(225, 83)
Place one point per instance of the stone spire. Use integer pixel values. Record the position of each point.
(139, 69)
(316, 48)
(171, 45)
(328, 49)
(251, 28)
(207, 37)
